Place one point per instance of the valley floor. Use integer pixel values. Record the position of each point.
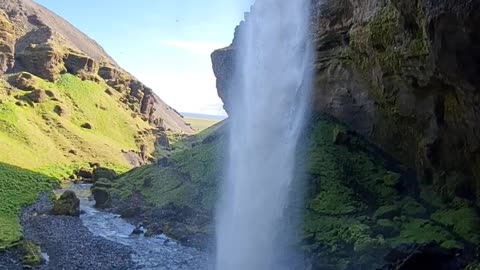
(67, 242)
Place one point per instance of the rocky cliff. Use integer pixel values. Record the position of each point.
(403, 73)
(35, 40)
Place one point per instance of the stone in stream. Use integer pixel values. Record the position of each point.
(67, 205)
(139, 230)
(101, 196)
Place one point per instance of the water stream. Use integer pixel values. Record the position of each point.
(157, 253)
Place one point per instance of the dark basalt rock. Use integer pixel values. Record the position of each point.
(102, 197)
(67, 205)
(403, 73)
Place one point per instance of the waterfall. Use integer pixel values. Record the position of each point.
(268, 107)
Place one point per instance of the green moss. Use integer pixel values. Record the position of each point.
(32, 254)
(385, 27)
(387, 211)
(464, 221)
(473, 266)
(357, 205)
(18, 188)
(451, 244)
(421, 231)
(411, 207)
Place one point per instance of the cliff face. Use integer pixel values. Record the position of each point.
(35, 40)
(403, 73)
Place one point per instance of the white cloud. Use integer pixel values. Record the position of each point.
(193, 92)
(192, 46)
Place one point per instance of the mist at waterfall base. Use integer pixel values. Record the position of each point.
(268, 108)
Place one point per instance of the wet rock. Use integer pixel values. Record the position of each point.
(102, 197)
(67, 205)
(138, 230)
(32, 254)
(130, 212)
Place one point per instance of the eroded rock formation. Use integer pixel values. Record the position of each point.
(34, 40)
(403, 73)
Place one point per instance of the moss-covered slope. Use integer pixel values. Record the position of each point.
(360, 204)
(69, 122)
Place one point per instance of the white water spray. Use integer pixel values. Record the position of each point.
(268, 107)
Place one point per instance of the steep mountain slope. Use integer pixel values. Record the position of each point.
(64, 100)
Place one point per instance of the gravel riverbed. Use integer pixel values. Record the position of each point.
(68, 244)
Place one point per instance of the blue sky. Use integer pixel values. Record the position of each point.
(164, 43)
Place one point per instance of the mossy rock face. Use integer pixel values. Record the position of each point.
(363, 206)
(67, 205)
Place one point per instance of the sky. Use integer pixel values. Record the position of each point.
(166, 44)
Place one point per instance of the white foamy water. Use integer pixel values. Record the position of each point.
(268, 107)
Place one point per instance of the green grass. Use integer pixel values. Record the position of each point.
(191, 178)
(18, 188)
(42, 146)
(200, 124)
(37, 138)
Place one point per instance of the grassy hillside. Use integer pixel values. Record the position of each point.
(18, 188)
(200, 124)
(51, 137)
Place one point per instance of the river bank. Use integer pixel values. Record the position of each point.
(97, 240)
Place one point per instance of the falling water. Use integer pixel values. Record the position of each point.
(268, 106)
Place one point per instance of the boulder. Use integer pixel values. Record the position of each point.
(85, 173)
(37, 96)
(102, 197)
(31, 254)
(75, 63)
(86, 126)
(101, 172)
(67, 205)
(24, 81)
(102, 183)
